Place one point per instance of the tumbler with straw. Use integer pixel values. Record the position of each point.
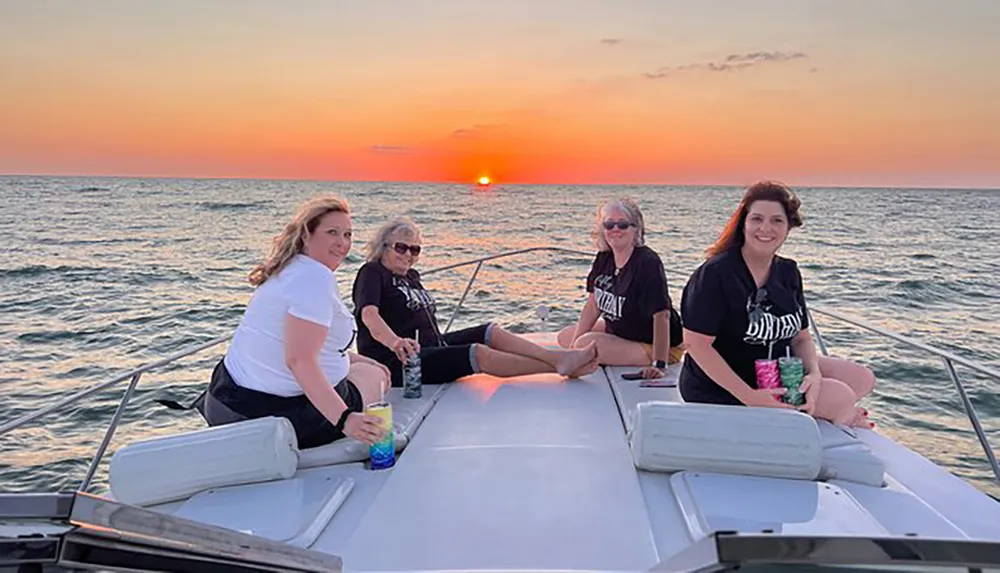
(792, 372)
(768, 375)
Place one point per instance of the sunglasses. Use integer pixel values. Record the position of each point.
(401, 248)
(608, 225)
(761, 295)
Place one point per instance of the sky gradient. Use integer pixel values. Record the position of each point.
(836, 92)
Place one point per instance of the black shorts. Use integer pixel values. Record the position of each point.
(696, 388)
(227, 402)
(441, 364)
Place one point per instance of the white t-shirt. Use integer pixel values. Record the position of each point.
(306, 289)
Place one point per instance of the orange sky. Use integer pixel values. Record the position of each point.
(830, 92)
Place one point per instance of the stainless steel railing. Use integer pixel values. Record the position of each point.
(134, 376)
(949, 359)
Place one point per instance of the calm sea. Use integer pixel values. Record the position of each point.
(102, 275)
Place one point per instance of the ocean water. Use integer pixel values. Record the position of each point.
(101, 275)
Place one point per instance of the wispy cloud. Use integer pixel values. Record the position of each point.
(612, 41)
(731, 63)
(391, 149)
(477, 131)
(467, 133)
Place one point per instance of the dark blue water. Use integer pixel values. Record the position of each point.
(102, 275)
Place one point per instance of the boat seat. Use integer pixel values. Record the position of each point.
(170, 468)
(407, 415)
(672, 436)
(844, 456)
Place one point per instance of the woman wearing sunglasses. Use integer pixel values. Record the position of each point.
(746, 303)
(628, 313)
(396, 317)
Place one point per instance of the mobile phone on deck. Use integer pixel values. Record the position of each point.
(657, 383)
(632, 375)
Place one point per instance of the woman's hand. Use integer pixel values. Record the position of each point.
(651, 372)
(765, 398)
(404, 348)
(811, 384)
(364, 428)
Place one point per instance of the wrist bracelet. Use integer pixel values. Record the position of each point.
(343, 420)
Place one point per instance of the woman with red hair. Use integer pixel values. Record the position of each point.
(745, 303)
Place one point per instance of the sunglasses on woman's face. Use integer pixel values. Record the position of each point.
(608, 225)
(401, 248)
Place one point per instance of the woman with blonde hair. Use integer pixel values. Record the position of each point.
(289, 356)
(628, 314)
(392, 307)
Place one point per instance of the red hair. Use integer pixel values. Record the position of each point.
(732, 234)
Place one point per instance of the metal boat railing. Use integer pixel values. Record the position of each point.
(949, 359)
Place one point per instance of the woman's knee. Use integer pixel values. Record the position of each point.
(585, 339)
(565, 336)
(866, 381)
(370, 381)
(836, 401)
(856, 376)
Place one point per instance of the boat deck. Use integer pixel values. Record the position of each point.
(536, 473)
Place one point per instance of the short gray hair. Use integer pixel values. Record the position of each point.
(379, 243)
(631, 209)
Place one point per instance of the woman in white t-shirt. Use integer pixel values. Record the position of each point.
(289, 356)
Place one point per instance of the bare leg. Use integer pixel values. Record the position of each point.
(615, 351)
(504, 364)
(837, 404)
(564, 362)
(371, 381)
(859, 378)
(565, 336)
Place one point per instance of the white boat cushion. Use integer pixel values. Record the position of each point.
(175, 467)
(407, 414)
(670, 437)
(847, 458)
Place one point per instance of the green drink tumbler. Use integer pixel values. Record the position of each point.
(791, 378)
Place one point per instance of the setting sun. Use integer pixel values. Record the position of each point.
(484, 180)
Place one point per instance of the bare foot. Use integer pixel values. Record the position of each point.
(860, 419)
(573, 360)
(587, 368)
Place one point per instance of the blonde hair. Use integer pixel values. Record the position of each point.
(379, 243)
(292, 240)
(631, 209)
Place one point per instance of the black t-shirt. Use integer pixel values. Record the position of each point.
(403, 303)
(628, 299)
(721, 299)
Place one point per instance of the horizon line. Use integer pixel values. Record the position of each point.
(497, 183)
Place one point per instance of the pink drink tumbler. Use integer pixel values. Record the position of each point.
(768, 375)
